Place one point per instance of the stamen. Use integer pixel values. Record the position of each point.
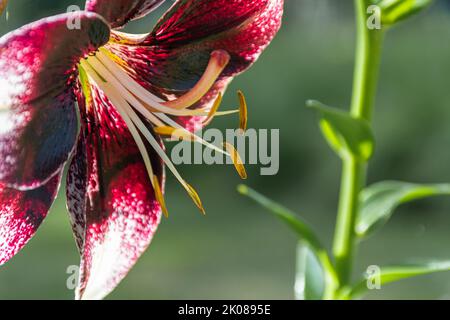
(136, 103)
(217, 63)
(237, 160)
(3, 4)
(195, 198)
(243, 113)
(127, 38)
(85, 87)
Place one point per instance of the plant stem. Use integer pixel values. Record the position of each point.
(368, 55)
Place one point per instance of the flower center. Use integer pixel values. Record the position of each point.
(137, 106)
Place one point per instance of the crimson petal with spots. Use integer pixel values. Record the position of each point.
(113, 208)
(38, 116)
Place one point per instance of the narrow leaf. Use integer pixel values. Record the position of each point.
(346, 135)
(299, 227)
(379, 201)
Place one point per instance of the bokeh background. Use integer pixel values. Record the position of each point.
(239, 251)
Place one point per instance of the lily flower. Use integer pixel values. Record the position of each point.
(102, 101)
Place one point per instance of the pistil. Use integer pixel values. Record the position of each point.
(130, 98)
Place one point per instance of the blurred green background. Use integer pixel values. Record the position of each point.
(238, 251)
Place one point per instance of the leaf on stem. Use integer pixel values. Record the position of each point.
(379, 201)
(347, 135)
(391, 274)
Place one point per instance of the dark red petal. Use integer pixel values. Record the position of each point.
(21, 214)
(119, 12)
(174, 56)
(37, 70)
(112, 206)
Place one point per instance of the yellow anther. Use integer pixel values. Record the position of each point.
(217, 63)
(237, 160)
(243, 112)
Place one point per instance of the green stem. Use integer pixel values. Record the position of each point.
(368, 54)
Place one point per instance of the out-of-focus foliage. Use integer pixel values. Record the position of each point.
(237, 252)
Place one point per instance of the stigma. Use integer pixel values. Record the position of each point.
(146, 114)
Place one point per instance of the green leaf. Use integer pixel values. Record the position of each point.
(310, 277)
(347, 135)
(379, 201)
(394, 11)
(391, 274)
(305, 234)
